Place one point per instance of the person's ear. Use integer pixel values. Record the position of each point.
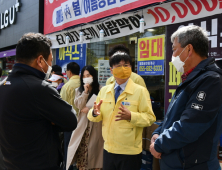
(190, 49)
(40, 61)
(111, 69)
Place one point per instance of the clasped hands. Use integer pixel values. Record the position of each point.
(123, 114)
(152, 149)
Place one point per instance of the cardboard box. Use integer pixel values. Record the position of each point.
(147, 134)
(156, 164)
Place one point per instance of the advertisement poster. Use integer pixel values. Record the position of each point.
(103, 72)
(211, 24)
(151, 55)
(75, 53)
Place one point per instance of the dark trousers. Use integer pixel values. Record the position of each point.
(121, 162)
(67, 136)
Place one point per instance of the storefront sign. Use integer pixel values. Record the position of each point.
(9, 16)
(65, 13)
(103, 72)
(8, 53)
(75, 53)
(126, 24)
(173, 78)
(151, 55)
(18, 17)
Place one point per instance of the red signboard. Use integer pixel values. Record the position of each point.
(87, 10)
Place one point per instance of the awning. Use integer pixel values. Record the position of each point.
(8, 53)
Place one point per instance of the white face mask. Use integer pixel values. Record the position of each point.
(88, 80)
(48, 71)
(55, 84)
(178, 63)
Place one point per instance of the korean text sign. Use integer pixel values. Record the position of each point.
(151, 55)
(128, 23)
(65, 13)
(75, 53)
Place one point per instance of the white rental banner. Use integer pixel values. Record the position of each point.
(126, 24)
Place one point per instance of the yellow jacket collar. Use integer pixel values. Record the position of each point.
(112, 79)
(74, 77)
(128, 89)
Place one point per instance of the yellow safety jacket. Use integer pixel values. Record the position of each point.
(68, 91)
(124, 137)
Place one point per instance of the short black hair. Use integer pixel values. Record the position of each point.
(59, 74)
(0, 71)
(74, 68)
(119, 47)
(56, 68)
(119, 56)
(31, 45)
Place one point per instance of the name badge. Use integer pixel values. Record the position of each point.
(126, 103)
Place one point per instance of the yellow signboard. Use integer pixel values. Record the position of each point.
(151, 48)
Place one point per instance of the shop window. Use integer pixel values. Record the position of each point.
(6, 64)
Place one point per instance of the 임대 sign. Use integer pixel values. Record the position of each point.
(151, 55)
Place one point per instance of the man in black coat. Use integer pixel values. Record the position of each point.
(32, 111)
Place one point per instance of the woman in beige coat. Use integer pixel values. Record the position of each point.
(86, 144)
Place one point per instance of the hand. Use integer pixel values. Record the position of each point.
(86, 88)
(96, 110)
(154, 138)
(154, 152)
(124, 114)
(85, 110)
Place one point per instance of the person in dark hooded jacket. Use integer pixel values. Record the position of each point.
(32, 112)
(189, 135)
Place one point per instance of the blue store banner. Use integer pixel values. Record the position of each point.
(151, 67)
(75, 53)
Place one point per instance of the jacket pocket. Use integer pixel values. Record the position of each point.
(171, 161)
(107, 106)
(125, 135)
(180, 155)
(131, 105)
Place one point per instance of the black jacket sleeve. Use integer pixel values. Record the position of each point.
(52, 107)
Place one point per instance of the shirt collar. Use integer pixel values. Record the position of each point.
(185, 75)
(122, 86)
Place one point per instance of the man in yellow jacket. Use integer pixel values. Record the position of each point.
(68, 93)
(68, 90)
(135, 77)
(124, 108)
